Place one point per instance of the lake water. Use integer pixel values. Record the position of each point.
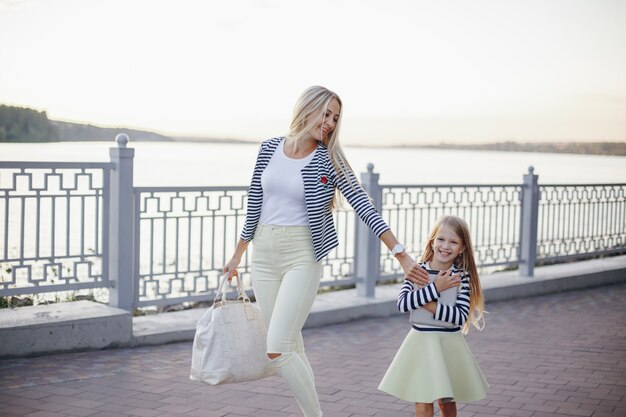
(212, 164)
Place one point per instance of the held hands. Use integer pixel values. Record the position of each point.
(446, 280)
(412, 270)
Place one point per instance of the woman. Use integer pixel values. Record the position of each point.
(290, 220)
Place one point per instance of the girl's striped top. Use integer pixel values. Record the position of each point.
(412, 298)
(320, 180)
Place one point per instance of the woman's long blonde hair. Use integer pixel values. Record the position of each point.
(309, 111)
(464, 261)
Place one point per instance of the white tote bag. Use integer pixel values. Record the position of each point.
(230, 341)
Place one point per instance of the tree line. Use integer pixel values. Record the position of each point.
(19, 124)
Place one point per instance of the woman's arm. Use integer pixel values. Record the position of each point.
(412, 271)
(359, 200)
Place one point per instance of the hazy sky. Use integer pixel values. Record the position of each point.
(408, 71)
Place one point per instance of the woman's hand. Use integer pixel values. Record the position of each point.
(412, 270)
(446, 280)
(231, 267)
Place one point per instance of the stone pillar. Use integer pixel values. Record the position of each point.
(529, 219)
(121, 226)
(367, 244)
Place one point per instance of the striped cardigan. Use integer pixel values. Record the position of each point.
(412, 299)
(320, 180)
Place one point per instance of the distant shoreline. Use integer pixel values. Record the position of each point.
(24, 125)
(581, 148)
(586, 148)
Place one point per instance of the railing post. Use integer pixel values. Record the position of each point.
(529, 219)
(121, 227)
(367, 245)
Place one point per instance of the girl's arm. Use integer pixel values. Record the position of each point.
(457, 313)
(412, 299)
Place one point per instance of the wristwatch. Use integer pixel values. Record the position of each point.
(397, 249)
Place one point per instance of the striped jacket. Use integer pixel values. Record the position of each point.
(412, 299)
(320, 180)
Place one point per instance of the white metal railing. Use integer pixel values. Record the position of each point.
(184, 235)
(576, 220)
(54, 226)
(70, 226)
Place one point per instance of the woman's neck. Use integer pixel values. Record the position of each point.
(299, 148)
(437, 266)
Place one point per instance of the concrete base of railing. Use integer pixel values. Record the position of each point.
(555, 278)
(85, 325)
(62, 327)
(342, 306)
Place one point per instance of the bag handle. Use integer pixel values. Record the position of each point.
(241, 294)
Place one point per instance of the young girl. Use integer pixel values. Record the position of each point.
(434, 362)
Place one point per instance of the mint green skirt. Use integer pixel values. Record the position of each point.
(434, 365)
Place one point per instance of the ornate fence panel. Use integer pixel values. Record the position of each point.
(581, 220)
(491, 211)
(54, 224)
(185, 235)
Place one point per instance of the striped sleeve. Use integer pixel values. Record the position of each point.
(360, 201)
(255, 196)
(456, 314)
(412, 299)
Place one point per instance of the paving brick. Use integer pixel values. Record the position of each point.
(42, 413)
(80, 412)
(574, 411)
(203, 413)
(142, 412)
(8, 410)
(514, 412)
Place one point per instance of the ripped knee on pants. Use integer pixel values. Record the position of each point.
(280, 359)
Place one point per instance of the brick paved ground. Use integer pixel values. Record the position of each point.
(558, 355)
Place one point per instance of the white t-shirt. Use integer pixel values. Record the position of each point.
(283, 190)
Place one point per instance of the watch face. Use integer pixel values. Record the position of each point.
(398, 248)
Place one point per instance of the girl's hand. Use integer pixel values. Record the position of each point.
(231, 267)
(412, 270)
(446, 280)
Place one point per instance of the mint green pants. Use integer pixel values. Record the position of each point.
(285, 279)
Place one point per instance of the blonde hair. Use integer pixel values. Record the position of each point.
(310, 108)
(464, 261)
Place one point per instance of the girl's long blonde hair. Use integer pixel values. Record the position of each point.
(309, 110)
(464, 261)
